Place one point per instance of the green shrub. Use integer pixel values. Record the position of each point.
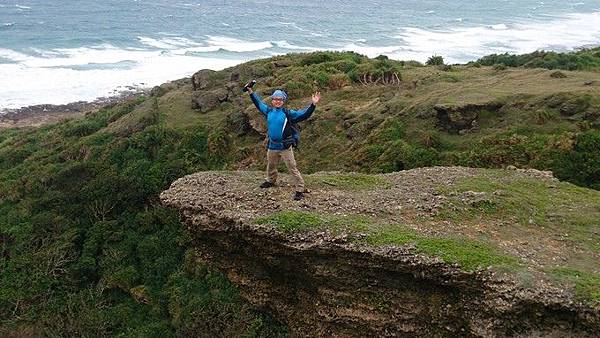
(499, 150)
(416, 157)
(321, 79)
(329, 57)
(558, 75)
(218, 145)
(584, 160)
(122, 109)
(394, 130)
(381, 70)
(83, 127)
(315, 58)
(298, 89)
(586, 59)
(500, 66)
(435, 60)
(13, 156)
(429, 139)
(546, 115)
(338, 81)
(344, 66)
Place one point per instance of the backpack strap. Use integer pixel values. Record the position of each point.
(288, 126)
(287, 114)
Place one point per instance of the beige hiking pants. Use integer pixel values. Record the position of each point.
(288, 158)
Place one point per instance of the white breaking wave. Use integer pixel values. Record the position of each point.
(11, 55)
(286, 45)
(168, 43)
(212, 44)
(469, 43)
(465, 44)
(65, 75)
(499, 26)
(155, 43)
(370, 51)
(59, 80)
(236, 45)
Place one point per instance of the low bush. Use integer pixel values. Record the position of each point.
(435, 60)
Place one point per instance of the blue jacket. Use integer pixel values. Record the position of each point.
(276, 120)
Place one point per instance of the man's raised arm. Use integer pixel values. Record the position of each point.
(301, 115)
(260, 105)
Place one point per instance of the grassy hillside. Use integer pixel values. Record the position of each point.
(84, 239)
(437, 115)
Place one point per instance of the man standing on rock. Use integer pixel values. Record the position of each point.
(282, 135)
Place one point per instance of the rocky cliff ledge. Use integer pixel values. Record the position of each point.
(425, 252)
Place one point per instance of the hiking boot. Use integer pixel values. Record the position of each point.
(298, 195)
(267, 184)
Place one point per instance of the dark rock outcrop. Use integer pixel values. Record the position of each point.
(457, 119)
(323, 283)
(234, 77)
(207, 96)
(208, 100)
(200, 79)
(282, 63)
(157, 91)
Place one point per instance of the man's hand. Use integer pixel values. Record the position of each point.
(250, 90)
(316, 97)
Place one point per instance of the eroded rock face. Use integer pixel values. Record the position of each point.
(325, 284)
(457, 119)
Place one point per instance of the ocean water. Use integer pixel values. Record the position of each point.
(62, 51)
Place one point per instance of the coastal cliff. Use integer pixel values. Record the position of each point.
(86, 249)
(431, 251)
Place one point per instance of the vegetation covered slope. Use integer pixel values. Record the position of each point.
(437, 115)
(84, 239)
(86, 248)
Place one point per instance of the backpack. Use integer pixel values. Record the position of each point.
(291, 132)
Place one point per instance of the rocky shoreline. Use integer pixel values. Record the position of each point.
(37, 115)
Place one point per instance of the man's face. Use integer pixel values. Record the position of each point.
(277, 102)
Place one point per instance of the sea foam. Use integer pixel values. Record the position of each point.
(463, 44)
(84, 74)
(211, 44)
